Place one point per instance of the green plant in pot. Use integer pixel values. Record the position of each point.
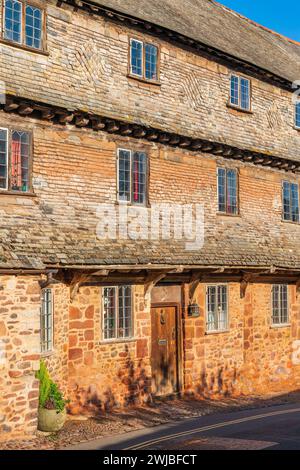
(52, 405)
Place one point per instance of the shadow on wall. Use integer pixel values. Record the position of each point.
(132, 387)
(223, 381)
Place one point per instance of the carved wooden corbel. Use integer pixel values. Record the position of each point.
(247, 278)
(49, 280)
(151, 280)
(193, 285)
(76, 282)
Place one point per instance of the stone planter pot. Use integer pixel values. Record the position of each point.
(51, 420)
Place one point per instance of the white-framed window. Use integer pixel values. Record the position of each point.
(15, 160)
(23, 23)
(47, 320)
(143, 60)
(216, 307)
(240, 92)
(290, 201)
(228, 191)
(297, 114)
(132, 177)
(280, 304)
(117, 318)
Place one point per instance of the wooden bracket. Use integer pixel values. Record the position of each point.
(49, 280)
(247, 278)
(151, 280)
(298, 286)
(77, 280)
(193, 285)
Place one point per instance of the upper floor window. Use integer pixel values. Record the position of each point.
(290, 196)
(47, 321)
(297, 115)
(280, 310)
(15, 160)
(216, 308)
(132, 177)
(227, 191)
(143, 60)
(240, 92)
(117, 312)
(23, 23)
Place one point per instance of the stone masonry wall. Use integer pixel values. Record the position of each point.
(252, 356)
(87, 68)
(19, 355)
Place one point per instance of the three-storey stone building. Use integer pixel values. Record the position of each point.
(111, 110)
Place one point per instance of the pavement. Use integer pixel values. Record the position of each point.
(271, 428)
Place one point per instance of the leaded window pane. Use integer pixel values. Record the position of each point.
(124, 175)
(297, 114)
(33, 27)
(150, 62)
(13, 21)
(136, 54)
(217, 315)
(20, 151)
(139, 178)
(3, 158)
(234, 90)
(222, 189)
(227, 191)
(117, 312)
(290, 201)
(46, 321)
(245, 93)
(280, 314)
(240, 92)
(231, 191)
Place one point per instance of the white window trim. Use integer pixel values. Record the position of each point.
(121, 201)
(282, 201)
(48, 351)
(285, 324)
(117, 338)
(222, 330)
(143, 65)
(7, 150)
(239, 105)
(237, 192)
(297, 126)
(4, 28)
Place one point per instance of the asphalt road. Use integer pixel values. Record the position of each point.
(273, 428)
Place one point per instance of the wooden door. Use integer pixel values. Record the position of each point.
(164, 356)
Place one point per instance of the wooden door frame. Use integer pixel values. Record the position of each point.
(179, 339)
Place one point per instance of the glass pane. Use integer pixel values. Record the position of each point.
(46, 321)
(212, 319)
(13, 21)
(234, 90)
(124, 175)
(221, 190)
(125, 312)
(20, 150)
(33, 27)
(109, 312)
(222, 307)
(139, 178)
(136, 54)
(286, 201)
(245, 93)
(3, 158)
(151, 62)
(231, 192)
(284, 304)
(297, 114)
(295, 202)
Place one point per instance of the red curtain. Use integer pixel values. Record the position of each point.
(16, 165)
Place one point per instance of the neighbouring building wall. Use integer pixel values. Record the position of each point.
(252, 356)
(19, 355)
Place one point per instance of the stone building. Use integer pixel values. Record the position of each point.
(179, 114)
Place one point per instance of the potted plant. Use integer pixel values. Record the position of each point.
(52, 405)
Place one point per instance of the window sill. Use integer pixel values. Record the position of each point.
(114, 341)
(283, 325)
(224, 214)
(48, 353)
(5, 192)
(24, 48)
(155, 83)
(297, 128)
(216, 332)
(132, 204)
(290, 222)
(238, 108)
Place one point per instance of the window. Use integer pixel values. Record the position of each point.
(290, 201)
(240, 92)
(216, 308)
(46, 321)
(23, 24)
(117, 312)
(143, 60)
(297, 115)
(227, 191)
(15, 150)
(132, 177)
(280, 314)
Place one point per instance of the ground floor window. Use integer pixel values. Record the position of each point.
(47, 321)
(280, 310)
(117, 312)
(216, 308)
